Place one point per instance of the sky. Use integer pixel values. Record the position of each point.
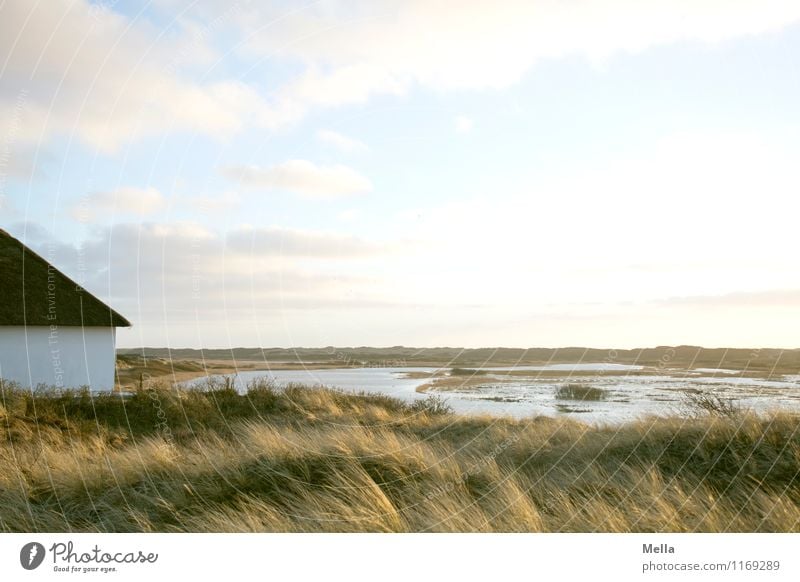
(422, 173)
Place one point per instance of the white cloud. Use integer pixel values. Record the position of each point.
(366, 48)
(76, 69)
(122, 201)
(341, 142)
(320, 87)
(301, 177)
(72, 68)
(463, 124)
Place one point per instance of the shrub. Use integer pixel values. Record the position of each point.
(580, 392)
(713, 404)
(434, 405)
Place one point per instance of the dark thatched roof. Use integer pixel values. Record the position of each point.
(33, 292)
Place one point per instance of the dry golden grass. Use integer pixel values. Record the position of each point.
(319, 460)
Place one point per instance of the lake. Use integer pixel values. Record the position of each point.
(628, 392)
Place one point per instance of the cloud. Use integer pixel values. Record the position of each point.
(221, 203)
(175, 281)
(463, 124)
(21, 165)
(301, 177)
(176, 262)
(341, 142)
(127, 200)
(75, 69)
(325, 87)
(78, 69)
(349, 53)
(773, 298)
(366, 48)
(31, 233)
(299, 243)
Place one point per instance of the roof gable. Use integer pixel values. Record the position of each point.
(34, 292)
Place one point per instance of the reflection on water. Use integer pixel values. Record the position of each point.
(619, 397)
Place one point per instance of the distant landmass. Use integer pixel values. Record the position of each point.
(766, 360)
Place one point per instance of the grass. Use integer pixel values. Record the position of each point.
(580, 392)
(303, 459)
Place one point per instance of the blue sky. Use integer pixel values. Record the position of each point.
(531, 174)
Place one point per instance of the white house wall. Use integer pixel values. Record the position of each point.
(64, 357)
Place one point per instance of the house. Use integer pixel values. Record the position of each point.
(52, 331)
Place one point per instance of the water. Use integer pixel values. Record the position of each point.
(388, 381)
(577, 367)
(627, 396)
